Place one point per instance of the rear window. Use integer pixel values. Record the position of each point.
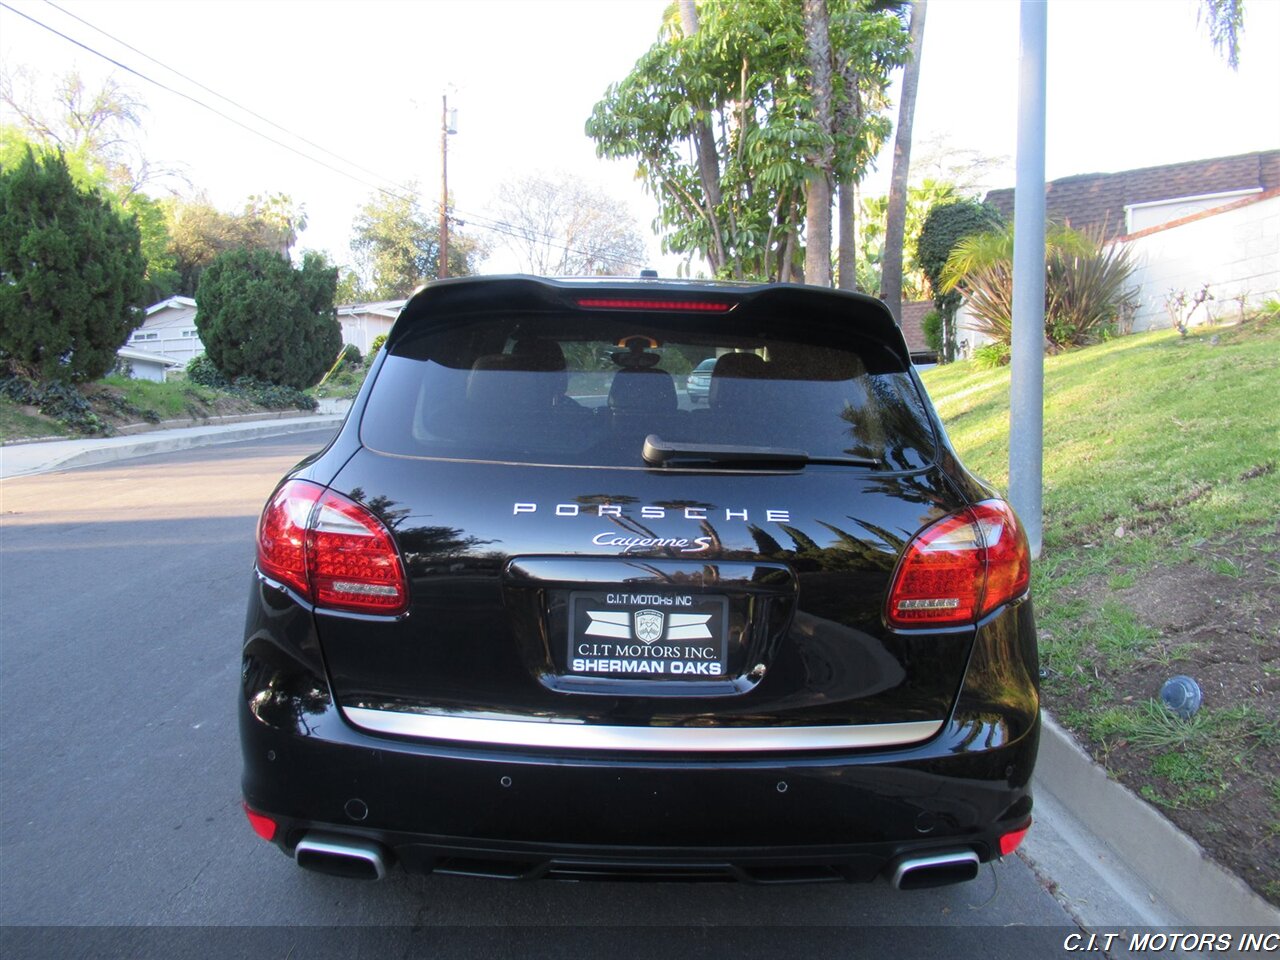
(585, 388)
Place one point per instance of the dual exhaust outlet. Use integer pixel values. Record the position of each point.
(366, 860)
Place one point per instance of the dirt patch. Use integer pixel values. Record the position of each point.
(1217, 777)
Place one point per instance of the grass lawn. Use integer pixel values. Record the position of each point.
(174, 400)
(1161, 556)
(17, 421)
(119, 402)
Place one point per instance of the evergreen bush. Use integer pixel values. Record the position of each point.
(259, 317)
(71, 274)
(202, 371)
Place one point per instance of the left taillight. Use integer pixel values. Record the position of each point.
(960, 568)
(331, 550)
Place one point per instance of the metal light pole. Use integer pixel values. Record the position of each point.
(1026, 391)
(448, 125)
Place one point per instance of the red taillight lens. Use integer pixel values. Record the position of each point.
(282, 534)
(1009, 842)
(351, 560)
(262, 825)
(331, 550)
(615, 303)
(960, 568)
(1008, 556)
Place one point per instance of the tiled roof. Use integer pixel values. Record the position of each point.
(1094, 200)
(913, 324)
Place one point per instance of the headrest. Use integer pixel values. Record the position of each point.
(539, 354)
(749, 366)
(643, 391)
(510, 381)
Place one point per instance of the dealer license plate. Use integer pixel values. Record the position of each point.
(627, 634)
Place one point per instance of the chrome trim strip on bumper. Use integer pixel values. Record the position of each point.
(583, 736)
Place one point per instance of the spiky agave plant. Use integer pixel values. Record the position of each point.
(1086, 282)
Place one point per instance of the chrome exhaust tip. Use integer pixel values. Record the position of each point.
(935, 870)
(341, 856)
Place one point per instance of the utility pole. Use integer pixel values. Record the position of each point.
(1026, 388)
(444, 187)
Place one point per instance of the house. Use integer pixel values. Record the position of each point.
(913, 330)
(169, 329)
(362, 322)
(144, 365)
(1200, 225)
(1124, 203)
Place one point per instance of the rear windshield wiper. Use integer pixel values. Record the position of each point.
(660, 453)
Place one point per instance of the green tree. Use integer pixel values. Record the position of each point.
(921, 199)
(944, 226)
(397, 245)
(350, 287)
(742, 75)
(259, 317)
(1225, 22)
(892, 284)
(96, 130)
(199, 232)
(71, 273)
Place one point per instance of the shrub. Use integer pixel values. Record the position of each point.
(946, 225)
(273, 396)
(931, 326)
(71, 273)
(57, 399)
(202, 371)
(374, 347)
(991, 355)
(260, 318)
(1086, 283)
(351, 356)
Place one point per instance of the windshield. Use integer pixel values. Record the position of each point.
(588, 389)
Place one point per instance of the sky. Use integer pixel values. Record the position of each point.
(358, 86)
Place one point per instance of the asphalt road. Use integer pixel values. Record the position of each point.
(122, 590)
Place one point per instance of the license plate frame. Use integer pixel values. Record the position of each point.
(647, 635)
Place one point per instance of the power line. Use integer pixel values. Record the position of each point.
(200, 103)
(207, 89)
(501, 227)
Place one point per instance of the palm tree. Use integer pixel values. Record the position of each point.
(1225, 19)
(896, 218)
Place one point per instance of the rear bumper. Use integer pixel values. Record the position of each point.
(505, 813)
(513, 811)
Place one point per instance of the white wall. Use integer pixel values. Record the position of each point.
(170, 332)
(1236, 252)
(1144, 216)
(141, 370)
(362, 328)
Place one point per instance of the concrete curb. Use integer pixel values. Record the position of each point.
(1168, 861)
(29, 459)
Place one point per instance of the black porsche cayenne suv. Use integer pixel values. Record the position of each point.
(533, 613)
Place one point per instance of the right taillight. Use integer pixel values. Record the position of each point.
(331, 550)
(960, 568)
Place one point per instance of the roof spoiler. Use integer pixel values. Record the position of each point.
(866, 315)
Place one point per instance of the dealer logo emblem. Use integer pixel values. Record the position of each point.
(648, 624)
